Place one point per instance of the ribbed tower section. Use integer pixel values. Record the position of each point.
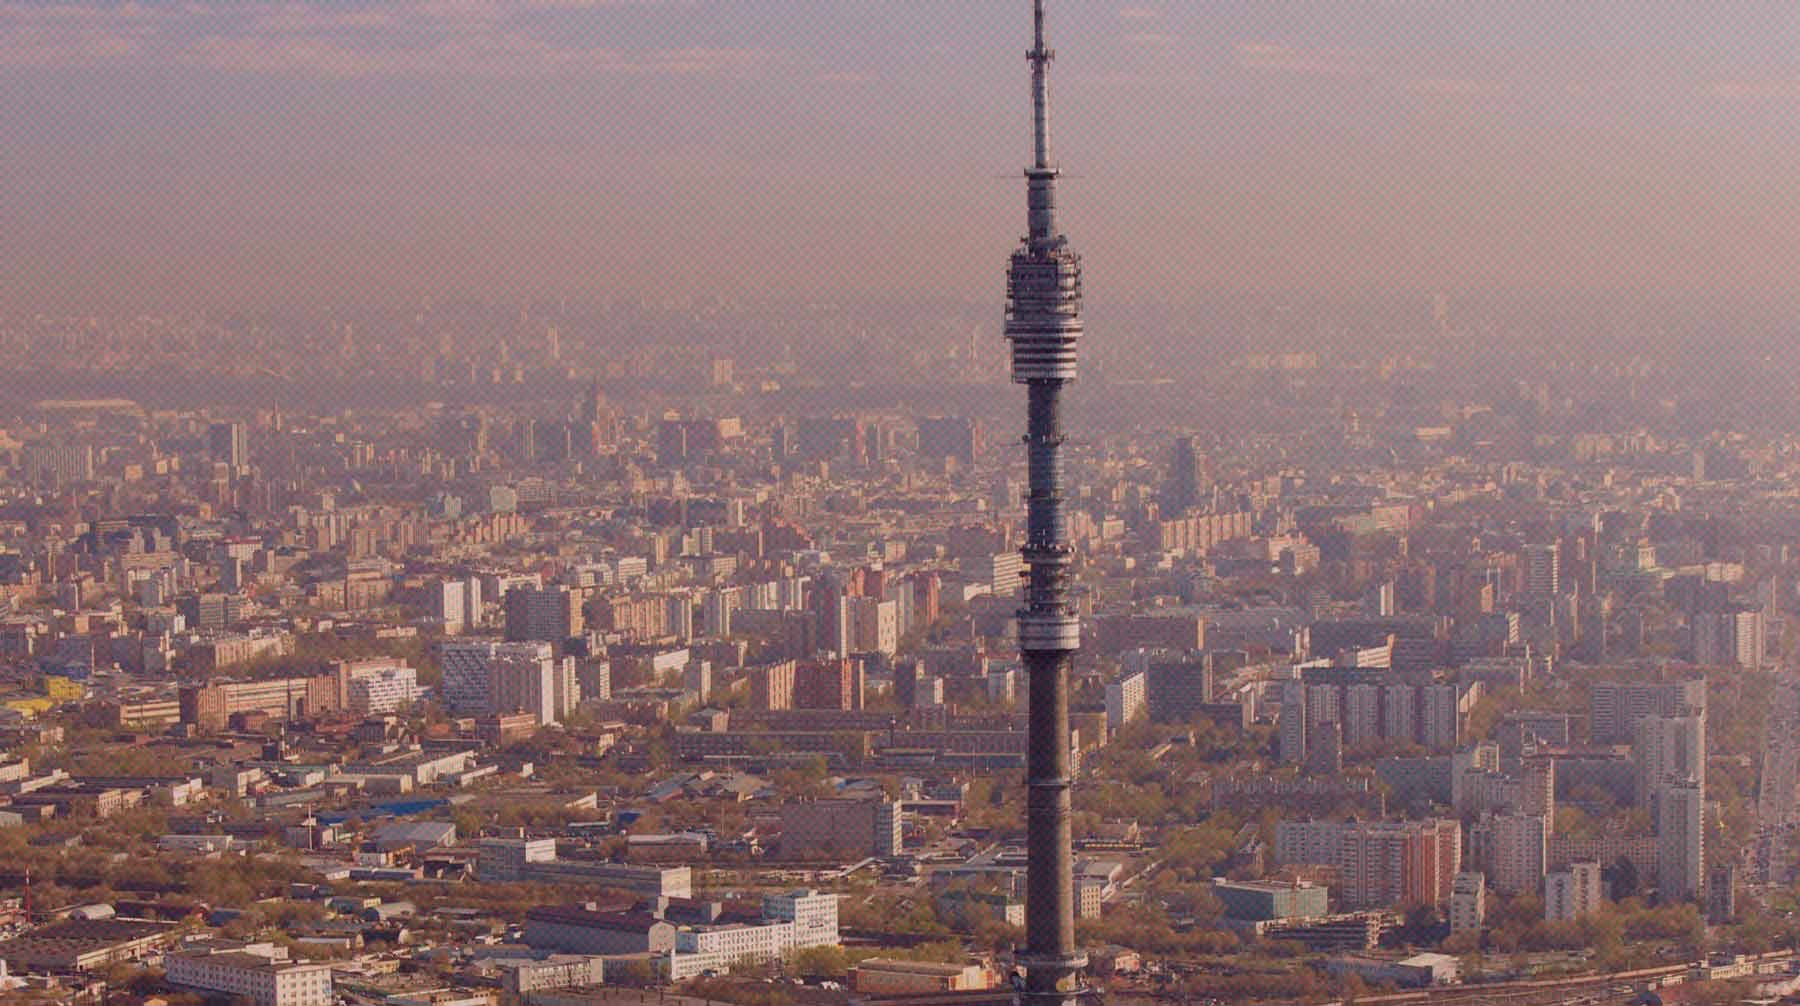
(1043, 323)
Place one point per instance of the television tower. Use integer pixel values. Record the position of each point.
(1043, 323)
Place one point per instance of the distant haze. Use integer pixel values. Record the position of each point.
(192, 154)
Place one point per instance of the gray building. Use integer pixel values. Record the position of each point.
(576, 929)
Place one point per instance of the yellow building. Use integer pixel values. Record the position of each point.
(63, 689)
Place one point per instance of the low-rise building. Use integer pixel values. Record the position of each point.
(581, 929)
(1262, 901)
(260, 979)
(85, 944)
(887, 977)
(1417, 971)
(560, 971)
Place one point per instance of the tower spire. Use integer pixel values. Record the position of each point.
(1041, 174)
(1040, 57)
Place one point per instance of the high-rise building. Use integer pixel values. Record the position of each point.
(1002, 572)
(1126, 699)
(1733, 637)
(451, 605)
(1619, 705)
(594, 679)
(1440, 716)
(1541, 566)
(1178, 685)
(772, 686)
(55, 463)
(458, 603)
(1668, 750)
(228, 444)
(1183, 487)
(1680, 842)
(490, 677)
(1569, 894)
(1399, 712)
(1292, 722)
(874, 625)
(829, 684)
(1518, 852)
(543, 614)
(1721, 894)
(1468, 903)
(1380, 864)
(1043, 323)
(376, 686)
(697, 679)
(1362, 714)
(1325, 748)
(953, 437)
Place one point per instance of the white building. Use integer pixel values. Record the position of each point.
(376, 687)
(256, 978)
(488, 676)
(874, 625)
(716, 948)
(1666, 751)
(534, 860)
(814, 916)
(1727, 638)
(559, 971)
(1569, 894)
(505, 859)
(451, 605)
(1126, 699)
(1468, 903)
(717, 609)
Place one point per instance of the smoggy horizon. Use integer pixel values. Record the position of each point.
(195, 155)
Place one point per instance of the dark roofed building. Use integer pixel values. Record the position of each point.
(576, 929)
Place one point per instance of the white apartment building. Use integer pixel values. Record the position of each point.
(1468, 903)
(376, 687)
(814, 916)
(874, 625)
(1126, 699)
(1569, 894)
(716, 948)
(259, 979)
(488, 676)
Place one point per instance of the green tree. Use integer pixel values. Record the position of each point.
(820, 962)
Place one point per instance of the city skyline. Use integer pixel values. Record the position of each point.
(521, 503)
(208, 156)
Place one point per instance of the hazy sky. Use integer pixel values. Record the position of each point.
(221, 152)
